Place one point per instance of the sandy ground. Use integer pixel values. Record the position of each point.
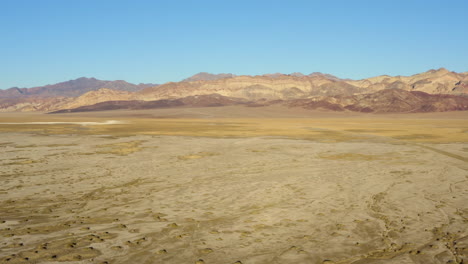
(329, 189)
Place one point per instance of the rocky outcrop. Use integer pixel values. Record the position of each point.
(204, 76)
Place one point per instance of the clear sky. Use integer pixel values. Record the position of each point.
(49, 41)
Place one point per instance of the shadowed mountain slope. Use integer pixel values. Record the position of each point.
(190, 101)
(387, 101)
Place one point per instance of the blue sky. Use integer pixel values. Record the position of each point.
(49, 41)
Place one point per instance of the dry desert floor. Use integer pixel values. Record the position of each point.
(204, 186)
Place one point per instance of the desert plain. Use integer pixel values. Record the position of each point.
(233, 185)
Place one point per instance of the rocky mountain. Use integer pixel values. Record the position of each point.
(72, 88)
(386, 101)
(204, 76)
(297, 86)
(315, 90)
(13, 92)
(190, 101)
(101, 95)
(254, 88)
(439, 81)
(33, 104)
(26, 104)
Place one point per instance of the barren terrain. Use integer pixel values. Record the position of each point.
(233, 185)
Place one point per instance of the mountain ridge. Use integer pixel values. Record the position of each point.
(205, 76)
(253, 89)
(72, 88)
(384, 101)
(284, 86)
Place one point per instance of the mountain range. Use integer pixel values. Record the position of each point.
(72, 88)
(434, 90)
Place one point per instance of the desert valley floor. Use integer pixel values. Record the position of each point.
(209, 186)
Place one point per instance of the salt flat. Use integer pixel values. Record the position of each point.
(238, 189)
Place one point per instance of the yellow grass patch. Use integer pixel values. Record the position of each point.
(441, 130)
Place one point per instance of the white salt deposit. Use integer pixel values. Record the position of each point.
(108, 122)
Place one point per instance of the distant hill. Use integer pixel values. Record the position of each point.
(204, 76)
(298, 74)
(72, 88)
(325, 75)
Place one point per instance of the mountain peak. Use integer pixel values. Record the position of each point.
(85, 79)
(440, 70)
(205, 76)
(297, 74)
(324, 75)
(273, 75)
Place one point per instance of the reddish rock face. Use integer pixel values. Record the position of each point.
(191, 101)
(388, 101)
